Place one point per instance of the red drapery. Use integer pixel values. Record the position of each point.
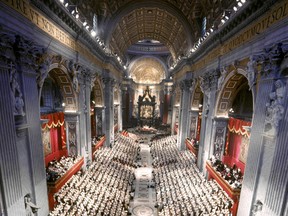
(234, 140)
(236, 126)
(56, 127)
(54, 120)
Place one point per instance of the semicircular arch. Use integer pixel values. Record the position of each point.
(60, 75)
(231, 85)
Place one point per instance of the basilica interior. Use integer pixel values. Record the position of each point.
(143, 108)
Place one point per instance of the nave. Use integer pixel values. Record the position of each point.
(142, 178)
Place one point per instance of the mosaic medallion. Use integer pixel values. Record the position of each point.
(142, 210)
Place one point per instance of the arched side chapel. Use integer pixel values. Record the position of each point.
(97, 99)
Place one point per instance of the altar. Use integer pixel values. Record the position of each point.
(146, 108)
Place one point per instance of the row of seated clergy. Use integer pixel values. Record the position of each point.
(56, 169)
(181, 189)
(105, 187)
(232, 175)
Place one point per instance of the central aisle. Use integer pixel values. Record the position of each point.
(144, 197)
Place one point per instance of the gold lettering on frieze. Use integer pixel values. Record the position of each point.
(279, 12)
(24, 8)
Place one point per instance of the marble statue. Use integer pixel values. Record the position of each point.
(16, 93)
(30, 208)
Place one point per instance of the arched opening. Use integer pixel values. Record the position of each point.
(59, 137)
(97, 116)
(193, 139)
(231, 134)
(196, 114)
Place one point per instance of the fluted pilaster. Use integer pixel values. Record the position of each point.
(10, 170)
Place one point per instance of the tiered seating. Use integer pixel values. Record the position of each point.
(104, 189)
(180, 188)
(57, 169)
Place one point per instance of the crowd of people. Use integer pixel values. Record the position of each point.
(232, 175)
(105, 187)
(56, 169)
(180, 188)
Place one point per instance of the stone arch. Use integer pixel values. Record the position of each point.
(59, 73)
(228, 91)
(97, 93)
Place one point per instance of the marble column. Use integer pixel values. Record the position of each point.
(21, 150)
(120, 114)
(9, 166)
(208, 85)
(85, 80)
(185, 86)
(109, 84)
(265, 181)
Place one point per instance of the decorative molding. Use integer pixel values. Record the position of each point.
(185, 85)
(6, 48)
(209, 80)
(109, 82)
(271, 60)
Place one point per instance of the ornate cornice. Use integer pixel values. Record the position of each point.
(209, 81)
(185, 85)
(271, 59)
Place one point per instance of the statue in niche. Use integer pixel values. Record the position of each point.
(16, 94)
(251, 72)
(275, 108)
(30, 208)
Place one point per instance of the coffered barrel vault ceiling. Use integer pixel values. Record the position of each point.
(175, 23)
(149, 23)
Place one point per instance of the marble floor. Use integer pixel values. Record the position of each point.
(144, 198)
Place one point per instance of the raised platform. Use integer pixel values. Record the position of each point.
(54, 187)
(233, 193)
